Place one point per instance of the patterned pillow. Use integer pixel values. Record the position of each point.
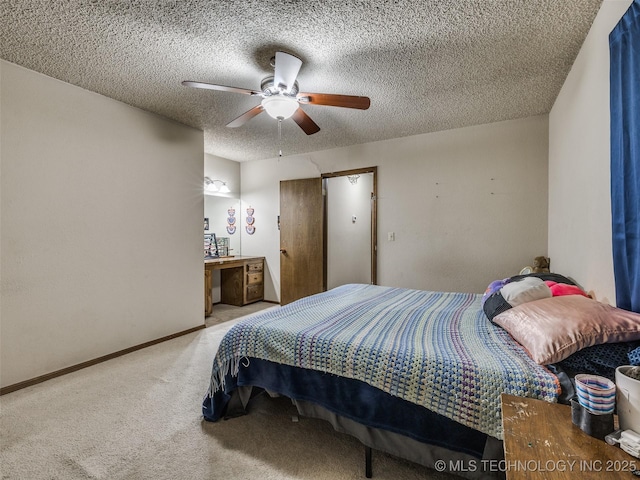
(493, 303)
(634, 356)
(600, 359)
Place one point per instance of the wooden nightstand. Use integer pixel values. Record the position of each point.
(541, 442)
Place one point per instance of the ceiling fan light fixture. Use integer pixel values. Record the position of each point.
(280, 106)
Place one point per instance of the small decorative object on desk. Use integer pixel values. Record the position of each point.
(210, 246)
(596, 394)
(223, 246)
(593, 412)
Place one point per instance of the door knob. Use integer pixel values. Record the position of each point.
(283, 251)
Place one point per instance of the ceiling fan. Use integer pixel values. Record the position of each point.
(281, 97)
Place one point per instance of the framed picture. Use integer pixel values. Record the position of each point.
(206, 224)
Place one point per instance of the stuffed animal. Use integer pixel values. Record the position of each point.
(541, 265)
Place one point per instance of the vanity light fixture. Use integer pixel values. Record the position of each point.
(210, 186)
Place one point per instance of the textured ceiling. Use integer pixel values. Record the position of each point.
(426, 65)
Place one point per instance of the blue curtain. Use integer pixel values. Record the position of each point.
(624, 48)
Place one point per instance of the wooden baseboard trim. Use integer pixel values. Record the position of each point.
(89, 363)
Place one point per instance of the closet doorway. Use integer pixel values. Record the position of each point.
(350, 229)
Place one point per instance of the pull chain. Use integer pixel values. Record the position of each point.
(279, 136)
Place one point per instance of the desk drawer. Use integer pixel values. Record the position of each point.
(254, 267)
(254, 278)
(254, 292)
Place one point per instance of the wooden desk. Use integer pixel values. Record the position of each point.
(241, 280)
(541, 442)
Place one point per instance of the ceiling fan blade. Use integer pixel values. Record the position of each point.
(286, 70)
(304, 122)
(222, 88)
(347, 101)
(246, 116)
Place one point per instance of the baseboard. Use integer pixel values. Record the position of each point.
(89, 363)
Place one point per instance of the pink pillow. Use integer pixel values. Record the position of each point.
(558, 289)
(553, 328)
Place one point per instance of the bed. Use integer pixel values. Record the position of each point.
(415, 373)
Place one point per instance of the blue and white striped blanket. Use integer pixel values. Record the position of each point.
(434, 349)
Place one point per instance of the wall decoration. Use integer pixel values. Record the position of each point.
(231, 221)
(206, 224)
(250, 220)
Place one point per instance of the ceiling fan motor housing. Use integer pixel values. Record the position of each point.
(269, 87)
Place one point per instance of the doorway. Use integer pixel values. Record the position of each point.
(350, 227)
(306, 246)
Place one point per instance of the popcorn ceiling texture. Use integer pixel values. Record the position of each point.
(427, 65)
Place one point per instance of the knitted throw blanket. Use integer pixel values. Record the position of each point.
(435, 349)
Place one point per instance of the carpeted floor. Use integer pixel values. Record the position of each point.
(223, 313)
(139, 417)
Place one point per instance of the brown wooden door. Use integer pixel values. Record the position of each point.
(301, 239)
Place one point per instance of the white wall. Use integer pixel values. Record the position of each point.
(467, 206)
(101, 240)
(579, 162)
(348, 241)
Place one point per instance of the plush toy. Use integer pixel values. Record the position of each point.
(541, 265)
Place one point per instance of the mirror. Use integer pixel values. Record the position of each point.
(218, 210)
(221, 200)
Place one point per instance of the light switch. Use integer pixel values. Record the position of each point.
(391, 236)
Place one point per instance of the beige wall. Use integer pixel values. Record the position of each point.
(101, 238)
(467, 206)
(579, 158)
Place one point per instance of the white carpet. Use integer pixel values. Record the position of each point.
(139, 417)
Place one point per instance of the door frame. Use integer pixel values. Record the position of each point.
(374, 219)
